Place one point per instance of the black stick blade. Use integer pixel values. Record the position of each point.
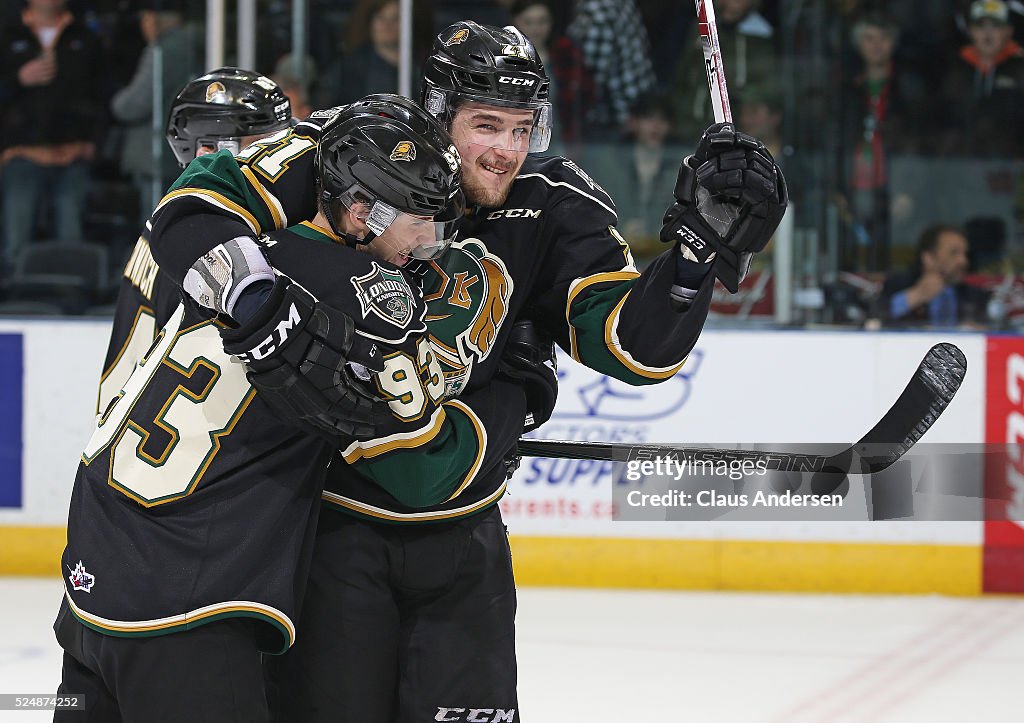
(925, 398)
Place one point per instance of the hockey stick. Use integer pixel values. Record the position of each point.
(926, 396)
(715, 69)
(708, 29)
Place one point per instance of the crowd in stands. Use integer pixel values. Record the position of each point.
(840, 91)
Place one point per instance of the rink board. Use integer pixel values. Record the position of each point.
(737, 387)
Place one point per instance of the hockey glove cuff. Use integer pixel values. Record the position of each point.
(219, 277)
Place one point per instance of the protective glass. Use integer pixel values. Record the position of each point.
(519, 140)
(212, 145)
(400, 236)
(486, 135)
(405, 235)
(418, 237)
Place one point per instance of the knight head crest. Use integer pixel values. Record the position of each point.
(459, 36)
(216, 92)
(404, 151)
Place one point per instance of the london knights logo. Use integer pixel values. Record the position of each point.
(467, 293)
(386, 294)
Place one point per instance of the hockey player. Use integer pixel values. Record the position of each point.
(227, 108)
(410, 610)
(192, 515)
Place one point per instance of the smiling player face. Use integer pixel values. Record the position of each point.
(493, 142)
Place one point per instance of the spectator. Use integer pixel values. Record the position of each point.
(641, 173)
(572, 89)
(961, 12)
(144, 154)
(748, 51)
(303, 73)
(758, 113)
(884, 111)
(297, 92)
(370, 62)
(52, 105)
(934, 293)
(616, 51)
(985, 87)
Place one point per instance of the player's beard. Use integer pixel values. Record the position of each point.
(481, 190)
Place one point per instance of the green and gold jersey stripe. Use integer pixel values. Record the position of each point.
(481, 446)
(611, 340)
(186, 621)
(579, 286)
(403, 440)
(215, 199)
(347, 504)
(269, 200)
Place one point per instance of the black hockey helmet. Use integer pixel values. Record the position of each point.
(222, 107)
(487, 64)
(392, 157)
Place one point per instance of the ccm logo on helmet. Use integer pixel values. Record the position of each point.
(508, 79)
(269, 345)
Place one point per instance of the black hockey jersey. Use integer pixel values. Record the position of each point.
(145, 301)
(192, 501)
(551, 253)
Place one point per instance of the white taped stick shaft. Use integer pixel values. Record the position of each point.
(708, 29)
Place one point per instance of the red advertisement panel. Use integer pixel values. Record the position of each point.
(1003, 563)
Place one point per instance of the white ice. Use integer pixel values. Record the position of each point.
(589, 656)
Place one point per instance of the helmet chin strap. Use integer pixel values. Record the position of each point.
(349, 239)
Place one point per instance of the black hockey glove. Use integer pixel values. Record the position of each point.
(730, 198)
(529, 360)
(297, 354)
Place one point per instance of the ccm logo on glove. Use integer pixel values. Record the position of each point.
(268, 346)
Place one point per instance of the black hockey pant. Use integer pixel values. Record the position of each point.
(208, 674)
(406, 623)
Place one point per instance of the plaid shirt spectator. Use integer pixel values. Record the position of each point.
(615, 48)
(574, 88)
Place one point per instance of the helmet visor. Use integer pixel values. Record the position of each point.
(401, 236)
(534, 138)
(212, 145)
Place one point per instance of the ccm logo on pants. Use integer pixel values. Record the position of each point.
(476, 715)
